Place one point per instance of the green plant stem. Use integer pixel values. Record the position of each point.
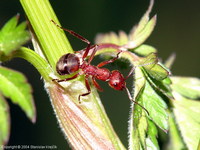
(52, 39)
(37, 61)
(175, 138)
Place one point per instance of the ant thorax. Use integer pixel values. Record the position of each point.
(80, 56)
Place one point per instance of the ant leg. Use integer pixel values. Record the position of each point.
(108, 61)
(87, 49)
(129, 95)
(77, 36)
(130, 72)
(88, 88)
(73, 33)
(96, 84)
(93, 54)
(67, 79)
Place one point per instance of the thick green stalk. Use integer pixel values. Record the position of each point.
(53, 40)
(36, 60)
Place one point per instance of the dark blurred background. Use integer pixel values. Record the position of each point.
(177, 30)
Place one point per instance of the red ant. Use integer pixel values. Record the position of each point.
(71, 63)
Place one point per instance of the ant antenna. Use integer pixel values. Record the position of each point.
(131, 71)
(131, 99)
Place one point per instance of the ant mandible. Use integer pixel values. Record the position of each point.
(70, 63)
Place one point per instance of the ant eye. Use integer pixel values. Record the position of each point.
(67, 64)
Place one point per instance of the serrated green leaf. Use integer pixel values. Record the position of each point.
(137, 39)
(21, 26)
(134, 142)
(186, 86)
(143, 132)
(162, 86)
(175, 141)
(151, 141)
(144, 20)
(142, 128)
(139, 83)
(157, 72)
(123, 38)
(138, 120)
(4, 121)
(112, 37)
(144, 50)
(167, 81)
(138, 129)
(120, 39)
(10, 25)
(151, 145)
(12, 37)
(137, 35)
(153, 67)
(169, 62)
(141, 32)
(14, 85)
(155, 106)
(187, 114)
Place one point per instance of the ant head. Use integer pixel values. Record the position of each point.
(67, 64)
(117, 80)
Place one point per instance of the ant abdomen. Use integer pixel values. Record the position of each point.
(67, 64)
